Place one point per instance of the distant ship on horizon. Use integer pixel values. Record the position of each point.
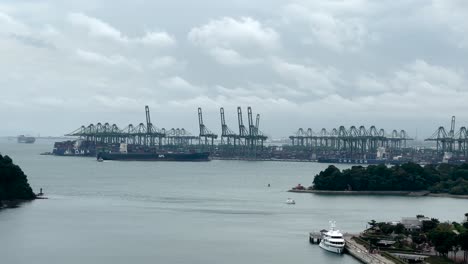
(26, 139)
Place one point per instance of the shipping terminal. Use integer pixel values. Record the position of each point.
(355, 145)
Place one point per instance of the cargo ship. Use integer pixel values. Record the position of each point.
(198, 156)
(124, 154)
(25, 139)
(73, 148)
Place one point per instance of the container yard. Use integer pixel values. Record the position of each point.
(355, 145)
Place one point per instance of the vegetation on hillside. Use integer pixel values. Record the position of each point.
(443, 178)
(13, 182)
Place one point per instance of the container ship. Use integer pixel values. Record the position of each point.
(25, 139)
(199, 156)
(73, 148)
(123, 154)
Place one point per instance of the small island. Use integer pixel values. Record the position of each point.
(14, 186)
(406, 179)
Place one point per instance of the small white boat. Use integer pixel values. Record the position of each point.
(290, 201)
(332, 240)
(100, 159)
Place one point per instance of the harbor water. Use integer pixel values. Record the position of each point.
(194, 212)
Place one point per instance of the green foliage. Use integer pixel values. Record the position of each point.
(386, 228)
(429, 225)
(463, 240)
(372, 223)
(443, 238)
(418, 238)
(444, 178)
(465, 225)
(399, 228)
(13, 181)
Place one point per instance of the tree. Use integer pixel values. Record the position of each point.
(462, 240)
(13, 181)
(386, 229)
(399, 228)
(428, 225)
(372, 224)
(444, 178)
(443, 238)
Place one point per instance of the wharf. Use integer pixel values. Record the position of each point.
(354, 249)
(361, 253)
(315, 237)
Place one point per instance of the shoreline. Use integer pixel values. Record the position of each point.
(5, 204)
(260, 159)
(396, 193)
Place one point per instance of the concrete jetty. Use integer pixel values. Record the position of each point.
(354, 249)
(315, 237)
(361, 253)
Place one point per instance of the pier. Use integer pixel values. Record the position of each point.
(315, 237)
(354, 249)
(361, 253)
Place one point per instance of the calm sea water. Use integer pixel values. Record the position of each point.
(166, 212)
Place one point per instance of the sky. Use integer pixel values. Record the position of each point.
(395, 64)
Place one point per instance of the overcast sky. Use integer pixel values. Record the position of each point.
(395, 64)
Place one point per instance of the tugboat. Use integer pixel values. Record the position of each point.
(332, 240)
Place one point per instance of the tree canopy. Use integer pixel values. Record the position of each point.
(13, 182)
(443, 178)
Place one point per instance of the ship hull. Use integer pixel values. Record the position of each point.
(27, 140)
(203, 156)
(337, 250)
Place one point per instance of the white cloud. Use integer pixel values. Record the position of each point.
(317, 81)
(368, 83)
(49, 31)
(13, 28)
(229, 32)
(49, 101)
(409, 63)
(10, 25)
(410, 90)
(157, 38)
(115, 103)
(327, 28)
(422, 77)
(178, 87)
(165, 63)
(452, 14)
(235, 41)
(231, 57)
(98, 28)
(113, 60)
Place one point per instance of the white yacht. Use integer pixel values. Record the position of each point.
(332, 240)
(290, 201)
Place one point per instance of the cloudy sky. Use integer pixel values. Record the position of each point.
(395, 64)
